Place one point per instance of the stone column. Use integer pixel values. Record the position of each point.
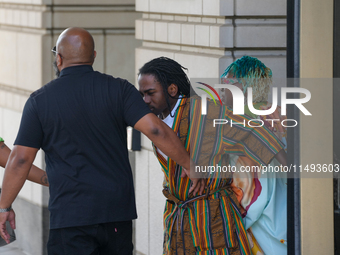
(28, 31)
(204, 36)
(316, 63)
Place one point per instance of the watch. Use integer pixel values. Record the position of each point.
(6, 209)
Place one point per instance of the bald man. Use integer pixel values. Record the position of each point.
(80, 120)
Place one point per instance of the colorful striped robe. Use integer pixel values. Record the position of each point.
(212, 223)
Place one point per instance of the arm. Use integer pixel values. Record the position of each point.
(168, 142)
(16, 172)
(4, 154)
(36, 174)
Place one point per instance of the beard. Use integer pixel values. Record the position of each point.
(55, 67)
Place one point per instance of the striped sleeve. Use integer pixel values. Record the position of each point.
(257, 143)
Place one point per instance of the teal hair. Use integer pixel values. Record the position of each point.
(251, 72)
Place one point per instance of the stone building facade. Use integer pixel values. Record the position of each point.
(203, 35)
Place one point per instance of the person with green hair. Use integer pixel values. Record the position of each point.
(263, 197)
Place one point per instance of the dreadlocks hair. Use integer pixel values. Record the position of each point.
(251, 72)
(167, 71)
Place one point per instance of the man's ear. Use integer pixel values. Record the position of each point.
(59, 60)
(173, 90)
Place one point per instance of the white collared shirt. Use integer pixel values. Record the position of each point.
(170, 121)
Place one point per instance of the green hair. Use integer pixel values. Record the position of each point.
(251, 72)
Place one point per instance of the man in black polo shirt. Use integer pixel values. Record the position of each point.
(80, 120)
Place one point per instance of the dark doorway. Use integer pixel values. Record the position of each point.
(293, 134)
(336, 123)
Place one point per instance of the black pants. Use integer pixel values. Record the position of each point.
(114, 238)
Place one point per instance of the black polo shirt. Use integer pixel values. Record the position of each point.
(80, 120)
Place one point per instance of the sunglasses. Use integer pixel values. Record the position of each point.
(55, 52)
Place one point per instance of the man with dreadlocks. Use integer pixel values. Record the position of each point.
(210, 223)
(263, 198)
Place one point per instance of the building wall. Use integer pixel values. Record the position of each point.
(316, 71)
(28, 31)
(205, 36)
